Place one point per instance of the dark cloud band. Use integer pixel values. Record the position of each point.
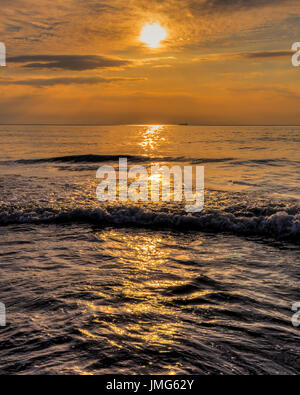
(232, 5)
(40, 82)
(265, 54)
(68, 62)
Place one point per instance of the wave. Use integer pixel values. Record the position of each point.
(279, 225)
(89, 158)
(92, 158)
(266, 162)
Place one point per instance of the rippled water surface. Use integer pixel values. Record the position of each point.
(147, 288)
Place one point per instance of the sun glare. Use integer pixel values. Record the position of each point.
(153, 34)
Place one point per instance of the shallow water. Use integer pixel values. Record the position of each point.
(146, 288)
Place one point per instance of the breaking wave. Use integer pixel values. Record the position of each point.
(91, 158)
(279, 225)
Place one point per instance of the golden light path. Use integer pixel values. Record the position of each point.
(153, 34)
(152, 138)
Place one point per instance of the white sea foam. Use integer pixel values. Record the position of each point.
(278, 225)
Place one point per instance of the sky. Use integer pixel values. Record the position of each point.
(223, 62)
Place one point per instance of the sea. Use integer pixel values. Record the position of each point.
(113, 287)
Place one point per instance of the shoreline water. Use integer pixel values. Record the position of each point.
(94, 288)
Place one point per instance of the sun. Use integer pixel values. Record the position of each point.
(153, 35)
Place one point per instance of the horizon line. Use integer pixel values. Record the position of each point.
(137, 124)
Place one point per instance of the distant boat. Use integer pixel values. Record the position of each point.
(183, 124)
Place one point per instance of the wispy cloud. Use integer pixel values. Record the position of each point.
(68, 62)
(40, 82)
(70, 25)
(265, 54)
(218, 57)
(232, 5)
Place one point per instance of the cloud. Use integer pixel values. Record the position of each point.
(66, 25)
(68, 62)
(43, 82)
(232, 5)
(162, 66)
(265, 54)
(218, 57)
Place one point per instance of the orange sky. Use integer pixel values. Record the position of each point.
(81, 61)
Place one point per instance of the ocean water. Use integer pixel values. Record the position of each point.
(145, 288)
